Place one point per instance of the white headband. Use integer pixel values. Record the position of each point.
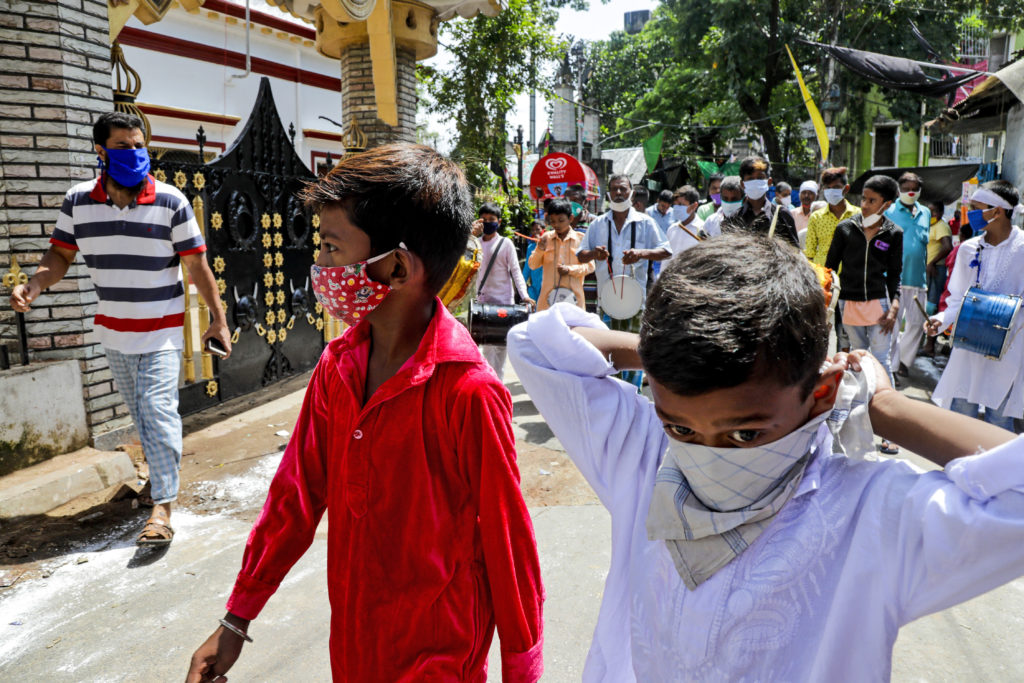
(984, 196)
(809, 186)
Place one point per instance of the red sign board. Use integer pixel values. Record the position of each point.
(554, 173)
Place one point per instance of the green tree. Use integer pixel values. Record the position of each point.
(721, 62)
(493, 60)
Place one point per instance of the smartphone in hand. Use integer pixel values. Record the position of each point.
(216, 348)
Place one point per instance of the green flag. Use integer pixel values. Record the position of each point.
(652, 149)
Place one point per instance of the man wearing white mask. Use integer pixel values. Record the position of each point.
(914, 218)
(757, 214)
(687, 229)
(822, 223)
(808, 205)
(731, 193)
(784, 195)
(621, 238)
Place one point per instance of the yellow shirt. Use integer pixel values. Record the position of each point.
(551, 252)
(938, 230)
(821, 226)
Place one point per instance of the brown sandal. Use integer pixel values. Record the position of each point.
(156, 532)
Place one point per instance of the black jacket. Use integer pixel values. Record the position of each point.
(869, 271)
(760, 222)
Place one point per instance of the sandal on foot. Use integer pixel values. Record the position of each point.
(156, 532)
(888, 448)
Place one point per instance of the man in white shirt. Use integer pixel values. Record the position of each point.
(687, 228)
(993, 262)
(746, 544)
(808, 204)
(623, 240)
(499, 271)
(731, 194)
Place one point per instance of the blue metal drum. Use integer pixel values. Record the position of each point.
(986, 323)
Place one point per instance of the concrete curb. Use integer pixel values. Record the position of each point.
(50, 484)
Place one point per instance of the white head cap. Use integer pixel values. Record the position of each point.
(809, 186)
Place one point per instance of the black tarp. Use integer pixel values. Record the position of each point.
(896, 72)
(940, 183)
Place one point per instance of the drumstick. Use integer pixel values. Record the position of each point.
(921, 308)
(775, 218)
(699, 239)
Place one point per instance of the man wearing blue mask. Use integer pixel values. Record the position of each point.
(132, 232)
(730, 191)
(992, 262)
(914, 218)
(661, 211)
(757, 214)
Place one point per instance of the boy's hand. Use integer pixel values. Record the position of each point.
(478, 227)
(563, 269)
(215, 657)
(861, 360)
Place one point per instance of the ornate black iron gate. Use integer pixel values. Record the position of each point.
(261, 242)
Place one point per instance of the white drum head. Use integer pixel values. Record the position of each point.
(621, 297)
(560, 294)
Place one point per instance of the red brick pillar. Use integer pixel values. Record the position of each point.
(55, 79)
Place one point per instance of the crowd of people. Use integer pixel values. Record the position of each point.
(755, 533)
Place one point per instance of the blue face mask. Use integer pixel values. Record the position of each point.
(490, 228)
(128, 167)
(977, 220)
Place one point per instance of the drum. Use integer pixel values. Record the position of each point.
(621, 297)
(560, 294)
(490, 323)
(985, 321)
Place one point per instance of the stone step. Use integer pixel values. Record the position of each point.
(50, 484)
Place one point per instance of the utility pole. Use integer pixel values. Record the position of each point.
(533, 104)
(578, 49)
(519, 152)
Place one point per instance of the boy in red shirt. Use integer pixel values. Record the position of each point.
(405, 439)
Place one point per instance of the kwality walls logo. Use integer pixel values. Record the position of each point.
(556, 167)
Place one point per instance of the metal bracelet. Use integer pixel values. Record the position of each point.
(234, 629)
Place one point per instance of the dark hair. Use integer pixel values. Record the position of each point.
(1004, 190)
(575, 187)
(754, 163)
(883, 185)
(620, 176)
(642, 193)
(715, 176)
(936, 204)
(403, 193)
(966, 232)
(733, 308)
(666, 196)
(489, 207)
(911, 177)
(560, 206)
(830, 175)
(114, 119)
(689, 193)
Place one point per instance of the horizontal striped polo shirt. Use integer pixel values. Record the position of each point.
(133, 256)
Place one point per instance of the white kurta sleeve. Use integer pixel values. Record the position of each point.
(961, 531)
(611, 433)
(960, 280)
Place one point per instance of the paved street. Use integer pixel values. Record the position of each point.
(109, 612)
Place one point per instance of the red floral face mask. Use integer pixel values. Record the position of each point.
(347, 292)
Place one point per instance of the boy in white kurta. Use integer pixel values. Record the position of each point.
(993, 262)
(743, 548)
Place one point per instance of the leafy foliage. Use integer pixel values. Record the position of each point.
(493, 60)
(699, 67)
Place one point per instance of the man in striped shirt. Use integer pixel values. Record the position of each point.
(133, 233)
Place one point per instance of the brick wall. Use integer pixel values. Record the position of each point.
(55, 78)
(357, 96)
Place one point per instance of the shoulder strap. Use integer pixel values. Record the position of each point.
(490, 263)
